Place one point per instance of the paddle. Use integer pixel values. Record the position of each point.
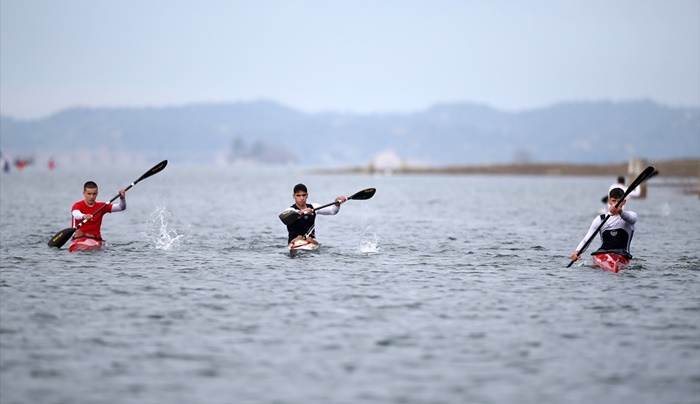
(64, 235)
(640, 178)
(654, 174)
(289, 216)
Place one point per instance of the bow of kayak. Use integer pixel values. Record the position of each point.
(610, 262)
(302, 245)
(84, 244)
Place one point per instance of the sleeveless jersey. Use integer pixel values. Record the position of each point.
(300, 226)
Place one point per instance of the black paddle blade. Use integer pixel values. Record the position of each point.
(364, 194)
(648, 172)
(155, 170)
(653, 174)
(61, 237)
(289, 216)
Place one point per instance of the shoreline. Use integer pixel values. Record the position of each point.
(666, 168)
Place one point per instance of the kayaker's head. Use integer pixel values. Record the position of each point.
(90, 192)
(300, 194)
(615, 195)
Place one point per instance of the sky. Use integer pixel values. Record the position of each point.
(360, 56)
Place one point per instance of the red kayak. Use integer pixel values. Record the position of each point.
(610, 262)
(84, 244)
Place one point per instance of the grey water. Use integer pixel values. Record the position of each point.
(440, 289)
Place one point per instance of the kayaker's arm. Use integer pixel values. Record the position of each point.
(629, 217)
(78, 215)
(330, 210)
(120, 207)
(333, 209)
(591, 230)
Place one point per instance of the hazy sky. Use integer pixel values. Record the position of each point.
(349, 56)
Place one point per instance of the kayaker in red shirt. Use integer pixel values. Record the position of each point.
(84, 210)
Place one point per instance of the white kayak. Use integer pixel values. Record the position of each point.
(302, 245)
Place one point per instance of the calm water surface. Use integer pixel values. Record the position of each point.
(440, 289)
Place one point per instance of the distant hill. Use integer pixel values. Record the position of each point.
(449, 134)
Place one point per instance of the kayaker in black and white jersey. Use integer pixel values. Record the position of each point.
(616, 234)
(300, 227)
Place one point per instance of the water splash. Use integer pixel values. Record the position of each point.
(369, 241)
(159, 235)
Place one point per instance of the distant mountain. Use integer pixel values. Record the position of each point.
(449, 134)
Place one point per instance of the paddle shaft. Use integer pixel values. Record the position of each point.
(327, 205)
(643, 176)
(365, 194)
(290, 216)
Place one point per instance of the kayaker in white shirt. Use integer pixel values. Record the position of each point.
(616, 234)
(636, 193)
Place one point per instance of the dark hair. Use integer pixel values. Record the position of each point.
(89, 184)
(616, 193)
(300, 187)
(621, 179)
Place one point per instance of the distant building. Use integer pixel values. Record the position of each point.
(387, 162)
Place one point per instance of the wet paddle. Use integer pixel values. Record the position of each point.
(290, 215)
(640, 178)
(64, 235)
